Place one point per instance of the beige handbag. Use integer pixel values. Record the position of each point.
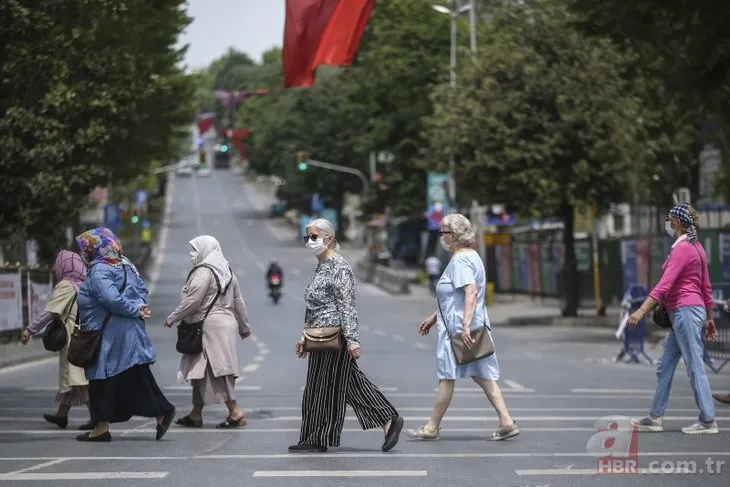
(325, 339)
(481, 347)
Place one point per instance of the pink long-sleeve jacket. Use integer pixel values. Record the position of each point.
(685, 280)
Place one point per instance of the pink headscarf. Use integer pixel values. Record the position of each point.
(70, 267)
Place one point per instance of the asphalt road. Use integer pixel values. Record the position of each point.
(557, 383)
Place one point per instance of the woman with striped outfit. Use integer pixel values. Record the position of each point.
(333, 377)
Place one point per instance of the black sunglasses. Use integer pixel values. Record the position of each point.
(307, 237)
(444, 232)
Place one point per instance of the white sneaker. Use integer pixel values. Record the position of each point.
(702, 429)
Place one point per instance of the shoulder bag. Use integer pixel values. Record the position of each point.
(55, 336)
(481, 348)
(84, 347)
(323, 339)
(190, 335)
(660, 317)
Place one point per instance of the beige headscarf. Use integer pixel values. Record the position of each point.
(207, 250)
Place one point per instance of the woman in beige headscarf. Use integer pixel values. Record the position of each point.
(212, 372)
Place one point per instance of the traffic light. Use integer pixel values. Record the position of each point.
(302, 157)
(135, 217)
(224, 148)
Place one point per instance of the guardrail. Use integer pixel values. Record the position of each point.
(383, 277)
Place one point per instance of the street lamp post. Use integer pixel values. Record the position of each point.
(455, 11)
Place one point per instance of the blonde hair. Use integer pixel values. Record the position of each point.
(326, 230)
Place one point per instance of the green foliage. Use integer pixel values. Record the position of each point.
(90, 90)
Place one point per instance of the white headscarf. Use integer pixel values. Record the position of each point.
(207, 250)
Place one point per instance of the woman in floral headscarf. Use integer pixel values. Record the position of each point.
(73, 387)
(686, 292)
(121, 384)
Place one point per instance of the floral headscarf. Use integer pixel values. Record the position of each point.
(71, 268)
(100, 245)
(682, 215)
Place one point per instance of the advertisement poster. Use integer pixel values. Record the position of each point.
(38, 296)
(11, 302)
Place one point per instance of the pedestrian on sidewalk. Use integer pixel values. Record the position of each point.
(212, 296)
(334, 379)
(73, 388)
(460, 311)
(686, 293)
(113, 299)
(433, 271)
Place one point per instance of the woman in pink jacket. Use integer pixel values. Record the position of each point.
(685, 290)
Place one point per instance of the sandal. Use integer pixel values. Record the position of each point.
(188, 422)
(505, 433)
(230, 423)
(422, 434)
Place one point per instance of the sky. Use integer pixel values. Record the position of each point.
(251, 26)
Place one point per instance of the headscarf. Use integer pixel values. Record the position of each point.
(71, 268)
(682, 215)
(100, 245)
(208, 251)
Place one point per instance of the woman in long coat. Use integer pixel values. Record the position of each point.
(121, 384)
(213, 289)
(73, 388)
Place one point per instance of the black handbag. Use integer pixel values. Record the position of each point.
(55, 336)
(660, 317)
(85, 344)
(190, 335)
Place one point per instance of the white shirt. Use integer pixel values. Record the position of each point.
(433, 266)
(679, 239)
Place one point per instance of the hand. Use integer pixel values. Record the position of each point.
(634, 319)
(167, 324)
(246, 333)
(299, 349)
(24, 338)
(425, 326)
(354, 351)
(466, 337)
(710, 330)
(144, 312)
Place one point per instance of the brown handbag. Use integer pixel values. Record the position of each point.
(482, 345)
(325, 339)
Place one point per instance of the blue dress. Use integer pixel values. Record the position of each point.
(465, 268)
(124, 342)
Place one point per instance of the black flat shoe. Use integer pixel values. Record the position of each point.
(60, 421)
(103, 438)
(165, 425)
(393, 435)
(88, 426)
(307, 449)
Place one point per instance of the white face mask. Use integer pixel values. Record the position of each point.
(316, 246)
(193, 256)
(668, 228)
(443, 243)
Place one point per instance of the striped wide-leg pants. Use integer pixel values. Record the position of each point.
(333, 381)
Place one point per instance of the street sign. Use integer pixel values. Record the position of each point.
(112, 217)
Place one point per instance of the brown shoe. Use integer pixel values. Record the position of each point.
(723, 399)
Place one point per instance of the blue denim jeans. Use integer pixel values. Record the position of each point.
(685, 340)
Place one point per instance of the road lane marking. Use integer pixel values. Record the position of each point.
(301, 388)
(358, 455)
(380, 333)
(259, 358)
(251, 367)
(594, 471)
(515, 386)
(398, 338)
(420, 345)
(218, 431)
(26, 365)
(35, 476)
(189, 388)
(613, 391)
(161, 250)
(340, 473)
(37, 467)
(477, 389)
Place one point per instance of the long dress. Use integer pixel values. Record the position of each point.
(212, 372)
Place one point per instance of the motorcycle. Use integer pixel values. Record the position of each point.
(275, 288)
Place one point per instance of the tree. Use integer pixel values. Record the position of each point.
(91, 90)
(543, 123)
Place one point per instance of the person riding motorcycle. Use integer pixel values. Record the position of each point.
(274, 270)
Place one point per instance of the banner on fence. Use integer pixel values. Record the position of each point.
(11, 301)
(38, 296)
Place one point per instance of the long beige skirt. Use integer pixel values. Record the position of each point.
(213, 390)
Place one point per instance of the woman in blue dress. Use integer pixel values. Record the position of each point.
(459, 295)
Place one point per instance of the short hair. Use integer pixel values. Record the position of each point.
(326, 230)
(461, 227)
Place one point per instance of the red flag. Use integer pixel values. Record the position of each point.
(321, 32)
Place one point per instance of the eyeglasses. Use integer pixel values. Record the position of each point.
(442, 232)
(307, 237)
